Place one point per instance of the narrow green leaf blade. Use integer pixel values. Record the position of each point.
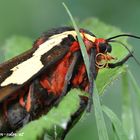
(102, 131)
(116, 122)
(127, 115)
(135, 86)
(135, 103)
(82, 45)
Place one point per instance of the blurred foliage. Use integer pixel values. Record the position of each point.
(17, 44)
(105, 77)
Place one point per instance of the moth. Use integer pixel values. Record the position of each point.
(44, 74)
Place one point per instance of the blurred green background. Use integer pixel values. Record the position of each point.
(32, 17)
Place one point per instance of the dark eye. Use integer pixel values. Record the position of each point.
(109, 48)
(102, 47)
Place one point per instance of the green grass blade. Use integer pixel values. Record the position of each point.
(136, 116)
(135, 103)
(102, 131)
(116, 123)
(127, 117)
(135, 86)
(82, 45)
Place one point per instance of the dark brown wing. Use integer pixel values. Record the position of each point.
(47, 59)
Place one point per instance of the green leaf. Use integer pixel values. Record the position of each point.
(102, 131)
(116, 123)
(127, 114)
(55, 122)
(135, 97)
(135, 86)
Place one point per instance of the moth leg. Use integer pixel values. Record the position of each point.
(21, 99)
(68, 76)
(120, 63)
(92, 77)
(28, 100)
(27, 103)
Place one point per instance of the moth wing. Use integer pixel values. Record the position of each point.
(13, 78)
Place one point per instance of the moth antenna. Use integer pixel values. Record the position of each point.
(131, 52)
(123, 35)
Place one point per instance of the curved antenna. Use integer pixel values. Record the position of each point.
(116, 41)
(122, 35)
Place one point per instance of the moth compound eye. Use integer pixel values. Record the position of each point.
(109, 48)
(102, 47)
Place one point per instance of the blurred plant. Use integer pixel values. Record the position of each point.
(54, 124)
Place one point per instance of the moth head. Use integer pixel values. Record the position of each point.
(103, 50)
(102, 46)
